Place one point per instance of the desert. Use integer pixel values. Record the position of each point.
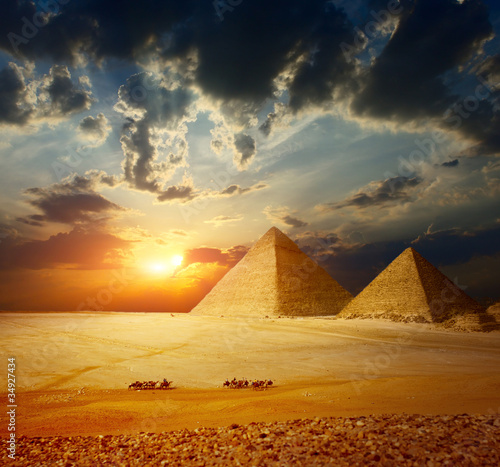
(73, 371)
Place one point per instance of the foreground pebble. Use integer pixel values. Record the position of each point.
(387, 440)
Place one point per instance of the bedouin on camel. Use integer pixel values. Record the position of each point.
(244, 383)
(138, 385)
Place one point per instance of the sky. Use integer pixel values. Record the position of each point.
(145, 146)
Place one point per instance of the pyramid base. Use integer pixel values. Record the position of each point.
(390, 315)
(473, 321)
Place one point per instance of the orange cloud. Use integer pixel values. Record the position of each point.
(78, 249)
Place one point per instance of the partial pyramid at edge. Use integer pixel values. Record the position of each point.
(411, 289)
(275, 278)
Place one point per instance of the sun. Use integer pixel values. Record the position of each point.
(176, 260)
(162, 266)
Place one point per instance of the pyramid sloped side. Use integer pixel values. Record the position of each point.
(494, 310)
(304, 287)
(444, 298)
(396, 293)
(249, 288)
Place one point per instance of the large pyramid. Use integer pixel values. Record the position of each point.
(411, 289)
(275, 278)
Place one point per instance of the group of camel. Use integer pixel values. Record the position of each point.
(139, 385)
(244, 383)
(233, 384)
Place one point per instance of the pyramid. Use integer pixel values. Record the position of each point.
(411, 289)
(275, 278)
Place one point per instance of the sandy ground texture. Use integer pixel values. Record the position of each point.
(73, 370)
(387, 440)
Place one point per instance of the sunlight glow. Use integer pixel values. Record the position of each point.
(157, 267)
(177, 260)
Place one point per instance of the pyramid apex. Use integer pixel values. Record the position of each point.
(273, 229)
(275, 278)
(276, 238)
(411, 252)
(273, 234)
(412, 288)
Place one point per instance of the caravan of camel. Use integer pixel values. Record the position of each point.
(142, 385)
(244, 383)
(233, 384)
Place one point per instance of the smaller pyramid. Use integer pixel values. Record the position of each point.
(411, 289)
(275, 278)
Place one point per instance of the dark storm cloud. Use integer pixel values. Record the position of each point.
(264, 43)
(245, 149)
(176, 193)
(480, 124)
(456, 246)
(14, 106)
(265, 38)
(71, 208)
(284, 216)
(11, 21)
(24, 101)
(237, 61)
(72, 202)
(95, 129)
(293, 221)
(144, 96)
(64, 96)
(91, 124)
(453, 163)
(326, 68)
(139, 154)
(432, 37)
(378, 193)
(354, 266)
(98, 28)
(267, 126)
(490, 69)
(78, 249)
(150, 107)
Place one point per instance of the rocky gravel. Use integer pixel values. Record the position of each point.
(387, 440)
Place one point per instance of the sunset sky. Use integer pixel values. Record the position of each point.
(145, 146)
